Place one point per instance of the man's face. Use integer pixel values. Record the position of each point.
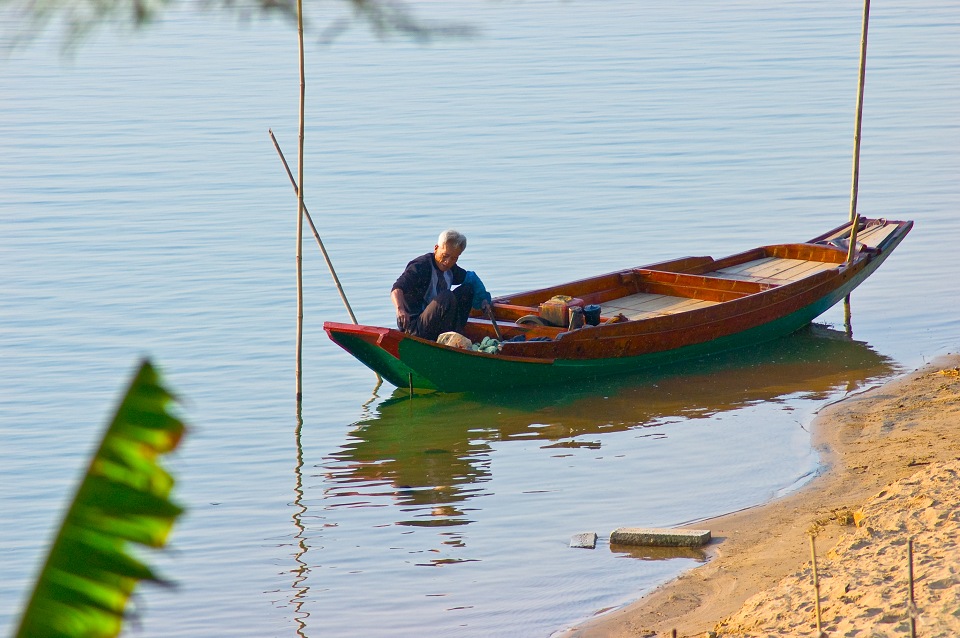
(446, 257)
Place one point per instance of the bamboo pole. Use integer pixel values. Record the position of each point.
(313, 228)
(847, 318)
(913, 602)
(303, 86)
(323, 250)
(816, 583)
(855, 181)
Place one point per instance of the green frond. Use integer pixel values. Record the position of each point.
(89, 573)
(76, 19)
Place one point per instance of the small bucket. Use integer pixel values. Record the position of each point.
(591, 314)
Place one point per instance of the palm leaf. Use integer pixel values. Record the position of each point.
(89, 573)
(78, 18)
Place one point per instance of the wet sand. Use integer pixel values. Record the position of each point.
(891, 475)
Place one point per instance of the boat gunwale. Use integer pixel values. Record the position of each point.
(613, 346)
(700, 320)
(681, 322)
(589, 288)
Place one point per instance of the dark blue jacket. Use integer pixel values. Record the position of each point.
(415, 280)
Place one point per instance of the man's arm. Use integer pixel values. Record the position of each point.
(481, 298)
(403, 315)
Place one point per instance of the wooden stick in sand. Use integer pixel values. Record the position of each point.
(912, 610)
(816, 582)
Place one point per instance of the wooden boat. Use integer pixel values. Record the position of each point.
(650, 316)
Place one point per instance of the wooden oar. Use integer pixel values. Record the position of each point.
(493, 322)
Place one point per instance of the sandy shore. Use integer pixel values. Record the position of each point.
(892, 475)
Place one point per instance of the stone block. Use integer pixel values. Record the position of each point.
(660, 537)
(586, 540)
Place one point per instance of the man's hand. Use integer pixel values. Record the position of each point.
(403, 317)
(403, 320)
(486, 307)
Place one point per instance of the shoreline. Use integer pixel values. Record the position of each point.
(867, 442)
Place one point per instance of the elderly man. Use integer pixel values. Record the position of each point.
(424, 295)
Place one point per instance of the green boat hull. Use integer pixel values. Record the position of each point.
(407, 361)
(456, 373)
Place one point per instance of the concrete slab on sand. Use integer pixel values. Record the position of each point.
(660, 537)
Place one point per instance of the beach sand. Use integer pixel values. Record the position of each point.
(891, 475)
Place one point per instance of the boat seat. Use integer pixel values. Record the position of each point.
(773, 270)
(646, 305)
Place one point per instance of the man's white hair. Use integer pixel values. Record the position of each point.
(452, 239)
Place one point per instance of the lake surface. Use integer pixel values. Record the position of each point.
(144, 212)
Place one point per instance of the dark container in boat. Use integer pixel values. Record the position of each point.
(591, 314)
(556, 310)
(576, 318)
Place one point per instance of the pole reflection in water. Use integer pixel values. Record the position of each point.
(302, 570)
(374, 395)
(429, 463)
(847, 322)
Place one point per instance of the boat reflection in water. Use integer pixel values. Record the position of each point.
(432, 453)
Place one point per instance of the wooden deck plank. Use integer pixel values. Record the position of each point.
(742, 268)
(775, 267)
(759, 280)
(655, 304)
(803, 269)
(774, 270)
(751, 270)
(767, 267)
(875, 235)
(838, 235)
(645, 305)
(872, 236)
(633, 316)
(687, 305)
(634, 302)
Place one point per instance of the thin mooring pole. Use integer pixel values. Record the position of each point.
(855, 182)
(816, 582)
(316, 234)
(913, 603)
(303, 86)
(847, 320)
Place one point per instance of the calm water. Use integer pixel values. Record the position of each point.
(143, 211)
